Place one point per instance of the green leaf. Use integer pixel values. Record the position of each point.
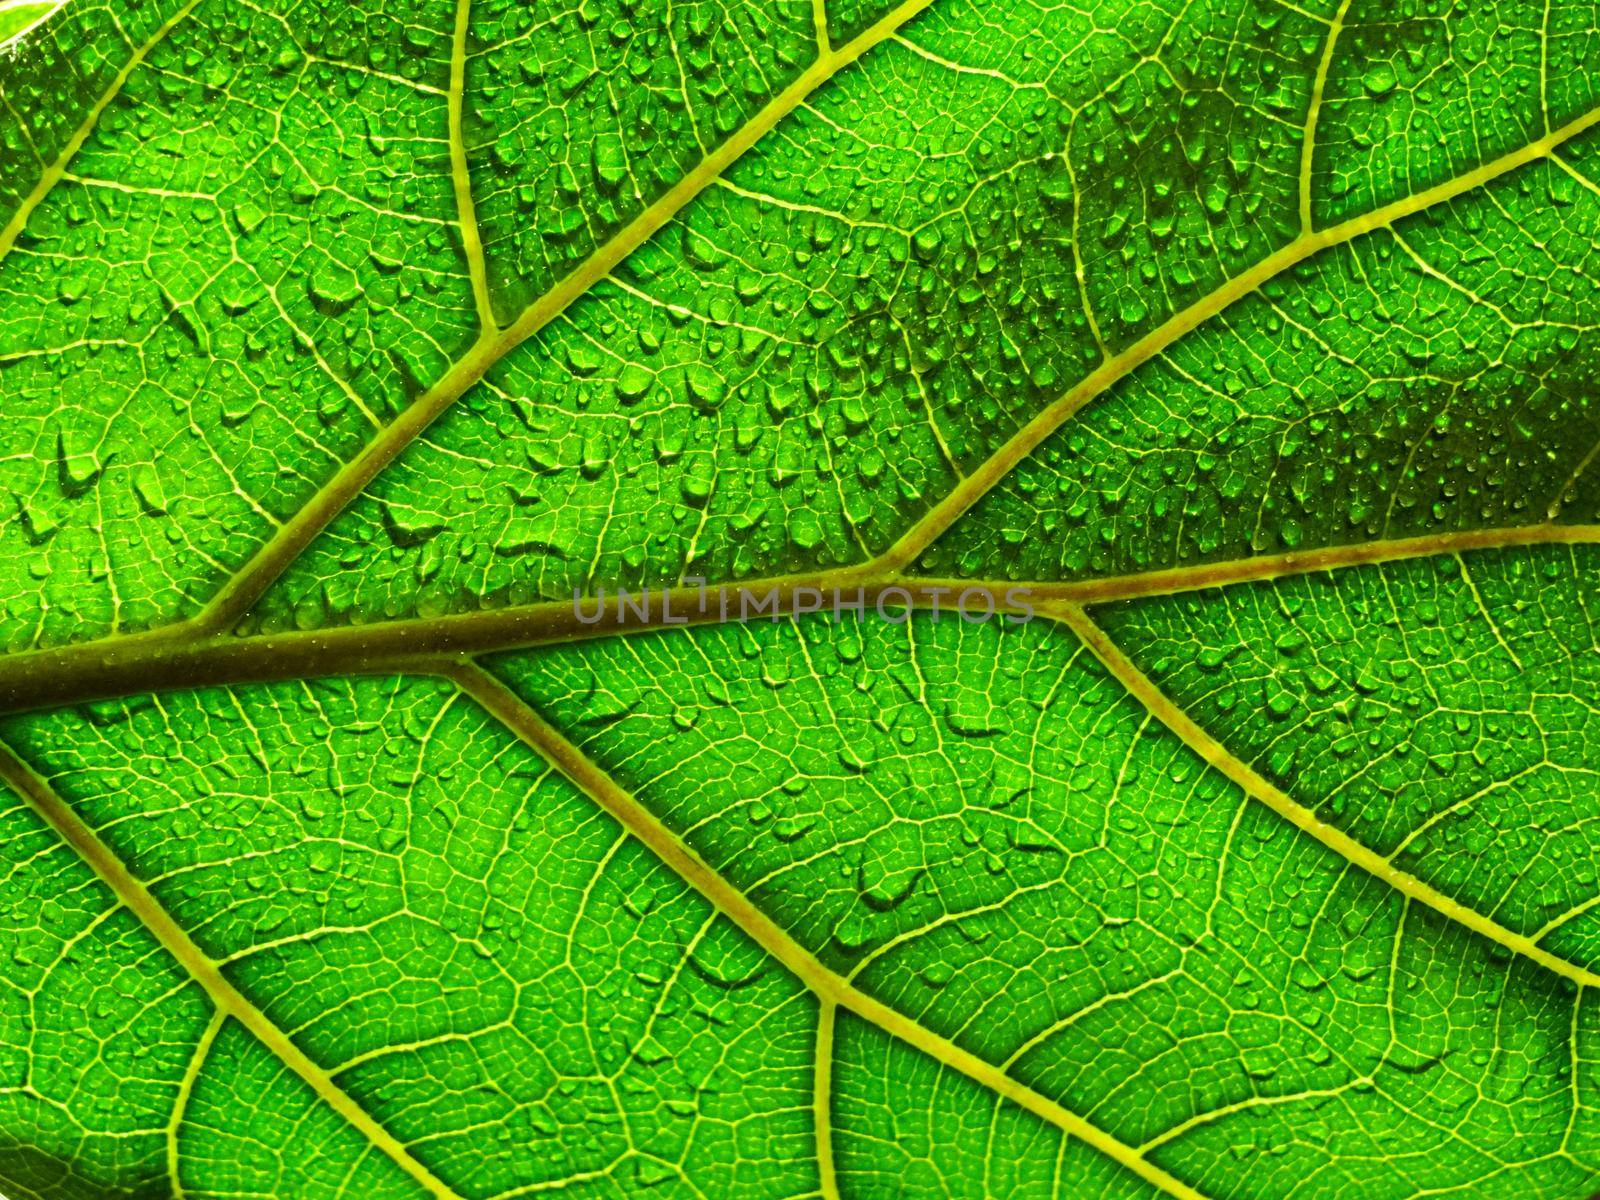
(18, 17)
(1236, 357)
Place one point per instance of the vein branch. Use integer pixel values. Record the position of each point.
(1308, 144)
(242, 591)
(975, 486)
(461, 176)
(829, 987)
(137, 899)
(1381, 867)
(180, 1106)
(197, 650)
(57, 170)
(822, 1099)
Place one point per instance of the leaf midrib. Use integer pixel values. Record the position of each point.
(166, 659)
(204, 636)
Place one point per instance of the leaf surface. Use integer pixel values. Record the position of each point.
(345, 346)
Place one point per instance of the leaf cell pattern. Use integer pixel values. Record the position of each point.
(343, 345)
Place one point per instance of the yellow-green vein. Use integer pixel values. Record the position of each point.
(1382, 867)
(161, 660)
(180, 1104)
(976, 485)
(822, 1099)
(460, 175)
(242, 590)
(55, 171)
(829, 987)
(138, 900)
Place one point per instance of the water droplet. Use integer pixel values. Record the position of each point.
(1380, 79)
(147, 488)
(333, 289)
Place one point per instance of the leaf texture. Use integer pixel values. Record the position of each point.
(345, 347)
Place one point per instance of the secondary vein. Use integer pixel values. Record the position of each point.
(54, 173)
(822, 1099)
(25, 677)
(137, 899)
(1381, 867)
(976, 485)
(829, 987)
(180, 1105)
(1319, 85)
(241, 591)
(461, 175)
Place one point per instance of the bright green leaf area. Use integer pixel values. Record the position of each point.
(14, 18)
(342, 344)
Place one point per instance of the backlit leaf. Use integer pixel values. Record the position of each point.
(1192, 402)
